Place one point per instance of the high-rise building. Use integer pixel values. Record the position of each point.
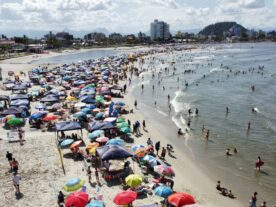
(159, 30)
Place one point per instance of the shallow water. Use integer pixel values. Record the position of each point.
(211, 94)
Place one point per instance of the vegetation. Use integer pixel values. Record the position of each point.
(218, 28)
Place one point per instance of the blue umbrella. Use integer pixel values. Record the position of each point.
(37, 115)
(86, 110)
(95, 134)
(120, 103)
(99, 115)
(163, 191)
(95, 203)
(135, 147)
(116, 141)
(66, 142)
(40, 106)
(79, 115)
(151, 160)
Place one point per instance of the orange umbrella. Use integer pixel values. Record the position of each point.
(76, 144)
(141, 152)
(93, 145)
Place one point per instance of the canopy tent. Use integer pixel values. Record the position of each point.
(4, 98)
(20, 87)
(113, 152)
(20, 102)
(68, 126)
(100, 125)
(50, 98)
(19, 96)
(12, 110)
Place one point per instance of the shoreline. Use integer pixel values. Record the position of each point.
(202, 187)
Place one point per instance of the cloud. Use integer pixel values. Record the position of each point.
(130, 16)
(252, 4)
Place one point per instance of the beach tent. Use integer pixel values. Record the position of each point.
(12, 110)
(50, 98)
(19, 96)
(68, 126)
(100, 125)
(20, 87)
(88, 99)
(20, 102)
(113, 152)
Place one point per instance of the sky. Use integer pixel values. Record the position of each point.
(132, 16)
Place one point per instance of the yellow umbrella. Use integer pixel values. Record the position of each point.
(133, 180)
(71, 98)
(93, 145)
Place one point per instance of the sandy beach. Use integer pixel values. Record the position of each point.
(42, 175)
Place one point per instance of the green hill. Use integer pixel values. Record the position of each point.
(220, 27)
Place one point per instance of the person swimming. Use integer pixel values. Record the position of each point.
(228, 153)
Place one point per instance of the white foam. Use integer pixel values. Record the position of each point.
(178, 102)
(216, 70)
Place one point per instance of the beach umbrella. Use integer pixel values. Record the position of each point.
(133, 180)
(150, 159)
(102, 139)
(163, 191)
(121, 119)
(86, 110)
(100, 115)
(80, 105)
(71, 98)
(77, 199)
(122, 125)
(73, 185)
(76, 144)
(116, 141)
(40, 107)
(95, 203)
(140, 152)
(180, 199)
(37, 115)
(110, 119)
(125, 130)
(95, 134)
(15, 121)
(164, 170)
(56, 106)
(125, 197)
(79, 115)
(137, 146)
(93, 145)
(49, 118)
(66, 142)
(120, 103)
(113, 152)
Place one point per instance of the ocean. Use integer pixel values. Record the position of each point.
(218, 76)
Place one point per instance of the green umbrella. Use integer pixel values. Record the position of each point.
(121, 119)
(125, 130)
(122, 125)
(15, 121)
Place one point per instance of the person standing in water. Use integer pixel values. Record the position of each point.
(259, 163)
(248, 126)
(227, 110)
(207, 134)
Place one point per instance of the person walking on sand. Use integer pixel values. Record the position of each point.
(20, 134)
(97, 176)
(163, 153)
(9, 157)
(60, 199)
(16, 181)
(135, 103)
(157, 147)
(253, 201)
(14, 165)
(144, 124)
(149, 141)
(89, 172)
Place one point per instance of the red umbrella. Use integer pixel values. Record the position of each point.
(102, 139)
(49, 118)
(125, 197)
(180, 199)
(77, 199)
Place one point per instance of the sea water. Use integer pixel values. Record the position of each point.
(222, 77)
